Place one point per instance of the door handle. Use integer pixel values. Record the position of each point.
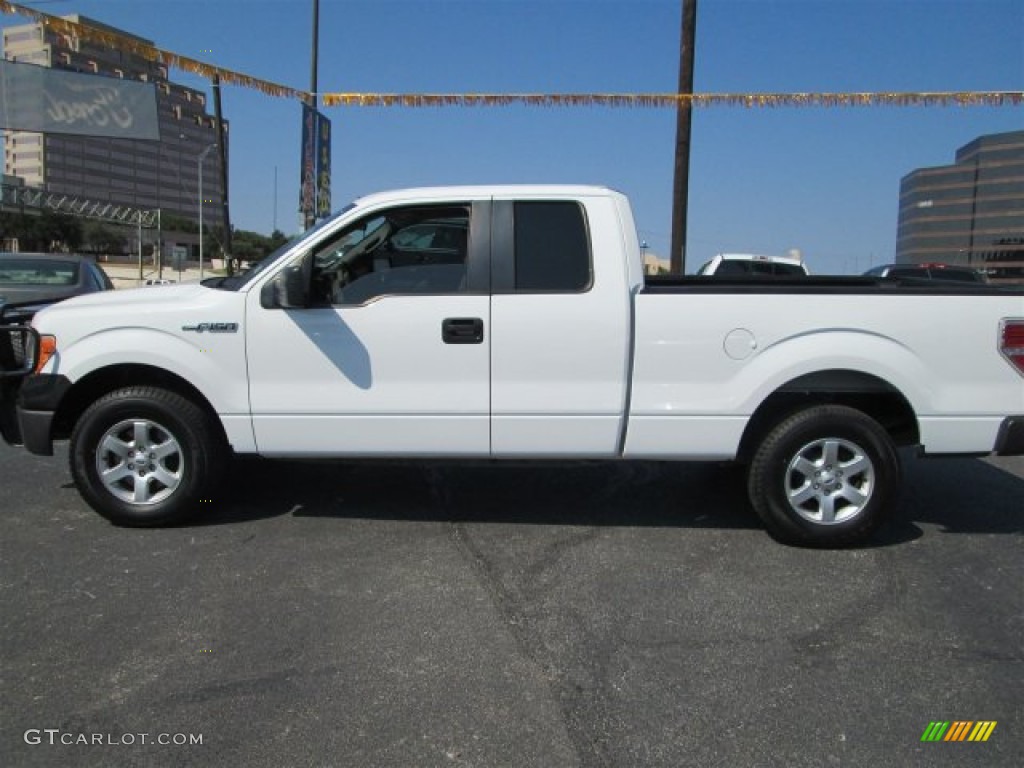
(462, 330)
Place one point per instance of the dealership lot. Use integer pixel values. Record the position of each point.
(422, 614)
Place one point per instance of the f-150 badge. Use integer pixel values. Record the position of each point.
(212, 328)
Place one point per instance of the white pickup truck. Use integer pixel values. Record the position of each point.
(515, 322)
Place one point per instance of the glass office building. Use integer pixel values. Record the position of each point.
(969, 213)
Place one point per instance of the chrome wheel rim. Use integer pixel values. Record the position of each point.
(830, 481)
(139, 461)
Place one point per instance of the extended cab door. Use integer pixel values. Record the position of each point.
(560, 327)
(392, 356)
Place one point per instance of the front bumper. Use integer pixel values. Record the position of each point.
(38, 398)
(34, 428)
(34, 431)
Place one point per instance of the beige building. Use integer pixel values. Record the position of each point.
(654, 264)
(150, 175)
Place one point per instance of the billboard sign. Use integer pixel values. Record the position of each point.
(45, 100)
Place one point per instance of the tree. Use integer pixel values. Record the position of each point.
(100, 238)
(172, 223)
(277, 239)
(247, 246)
(252, 246)
(45, 233)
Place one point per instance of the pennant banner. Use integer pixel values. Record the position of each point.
(636, 100)
(676, 100)
(150, 52)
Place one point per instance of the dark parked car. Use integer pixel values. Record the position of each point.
(31, 281)
(930, 272)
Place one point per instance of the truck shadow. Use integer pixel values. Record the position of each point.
(555, 493)
(964, 495)
(335, 340)
(955, 495)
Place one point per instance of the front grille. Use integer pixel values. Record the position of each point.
(16, 348)
(19, 343)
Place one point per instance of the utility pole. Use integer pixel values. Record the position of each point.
(314, 100)
(681, 183)
(316, 48)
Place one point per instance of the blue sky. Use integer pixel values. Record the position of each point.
(825, 181)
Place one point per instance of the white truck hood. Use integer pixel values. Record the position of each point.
(149, 296)
(165, 307)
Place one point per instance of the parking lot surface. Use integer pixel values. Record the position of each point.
(424, 614)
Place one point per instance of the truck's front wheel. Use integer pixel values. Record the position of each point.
(826, 477)
(145, 456)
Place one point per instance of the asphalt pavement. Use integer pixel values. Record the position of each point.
(583, 614)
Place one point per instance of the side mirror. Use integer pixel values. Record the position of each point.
(290, 288)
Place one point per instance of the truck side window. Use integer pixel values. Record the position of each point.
(552, 247)
(402, 251)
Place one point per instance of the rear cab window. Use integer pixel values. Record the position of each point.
(551, 248)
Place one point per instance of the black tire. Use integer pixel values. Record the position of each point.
(827, 476)
(169, 481)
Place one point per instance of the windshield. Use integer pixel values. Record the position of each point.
(235, 282)
(38, 272)
(758, 267)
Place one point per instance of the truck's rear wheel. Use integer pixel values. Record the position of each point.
(825, 477)
(145, 456)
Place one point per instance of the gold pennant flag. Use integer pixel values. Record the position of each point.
(149, 52)
(675, 100)
(613, 100)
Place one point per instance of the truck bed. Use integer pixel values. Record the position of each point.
(823, 284)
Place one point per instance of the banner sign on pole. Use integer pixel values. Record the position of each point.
(315, 182)
(323, 166)
(45, 100)
(307, 179)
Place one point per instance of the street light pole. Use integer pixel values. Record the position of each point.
(159, 246)
(202, 157)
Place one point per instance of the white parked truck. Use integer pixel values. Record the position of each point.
(753, 264)
(515, 322)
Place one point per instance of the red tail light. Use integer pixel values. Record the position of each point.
(1011, 343)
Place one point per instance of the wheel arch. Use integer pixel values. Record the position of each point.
(98, 383)
(864, 392)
